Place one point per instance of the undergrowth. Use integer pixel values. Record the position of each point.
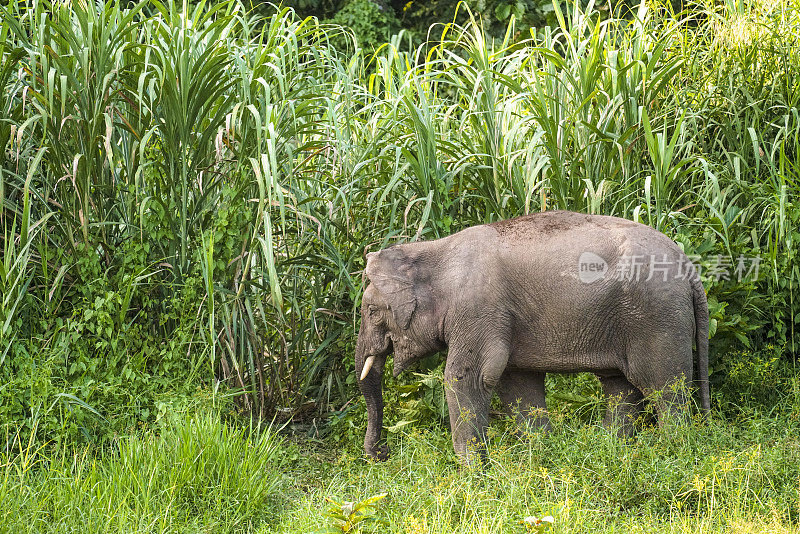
(197, 473)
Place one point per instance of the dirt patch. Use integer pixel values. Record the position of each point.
(547, 222)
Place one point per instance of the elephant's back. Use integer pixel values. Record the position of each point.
(559, 222)
(571, 231)
(566, 253)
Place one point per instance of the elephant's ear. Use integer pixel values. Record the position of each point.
(390, 270)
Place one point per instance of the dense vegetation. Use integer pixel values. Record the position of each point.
(374, 21)
(187, 195)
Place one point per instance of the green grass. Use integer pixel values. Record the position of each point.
(197, 474)
(193, 474)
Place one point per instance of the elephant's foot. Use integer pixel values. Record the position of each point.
(529, 422)
(672, 404)
(534, 420)
(377, 454)
(471, 454)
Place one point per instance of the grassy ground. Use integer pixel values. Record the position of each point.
(196, 473)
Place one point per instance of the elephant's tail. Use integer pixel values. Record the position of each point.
(701, 338)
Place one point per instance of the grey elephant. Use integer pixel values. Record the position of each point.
(510, 301)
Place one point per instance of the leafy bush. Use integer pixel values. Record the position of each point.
(757, 382)
(371, 24)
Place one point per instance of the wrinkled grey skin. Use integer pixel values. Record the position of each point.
(507, 302)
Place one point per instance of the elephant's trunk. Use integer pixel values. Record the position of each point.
(372, 388)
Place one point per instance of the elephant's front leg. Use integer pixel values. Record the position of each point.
(469, 383)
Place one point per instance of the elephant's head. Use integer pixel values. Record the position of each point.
(399, 313)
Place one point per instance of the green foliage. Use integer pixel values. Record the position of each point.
(187, 192)
(579, 394)
(494, 16)
(102, 369)
(760, 382)
(371, 24)
(187, 196)
(423, 399)
(374, 21)
(682, 478)
(354, 516)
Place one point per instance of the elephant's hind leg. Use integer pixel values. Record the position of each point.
(625, 404)
(523, 397)
(664, 374)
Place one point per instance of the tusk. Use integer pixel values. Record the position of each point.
(367, 367)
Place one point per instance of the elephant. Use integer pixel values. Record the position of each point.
(551, 292)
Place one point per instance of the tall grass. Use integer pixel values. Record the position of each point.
(196, 473)
(231, 170)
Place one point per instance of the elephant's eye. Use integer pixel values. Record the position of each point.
(375, 315)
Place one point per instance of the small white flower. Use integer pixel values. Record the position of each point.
(538, 525)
